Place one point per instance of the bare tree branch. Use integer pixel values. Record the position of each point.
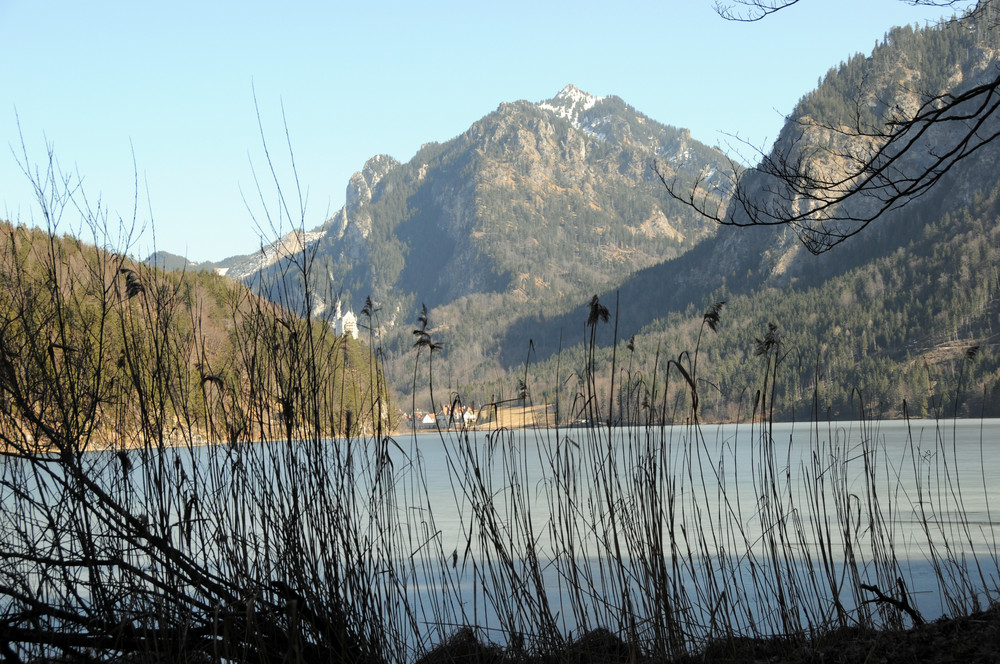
(749, 11)
(830, 181)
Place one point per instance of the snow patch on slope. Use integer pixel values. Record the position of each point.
(571, 103)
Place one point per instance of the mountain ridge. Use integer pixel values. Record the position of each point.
(507, 230)
(532, 204)
(605, 119)
(894, 336)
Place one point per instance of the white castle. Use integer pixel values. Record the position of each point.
(346, 323)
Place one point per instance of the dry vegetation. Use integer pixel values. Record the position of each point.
(309, 534)
(309, 548)
(155, 358)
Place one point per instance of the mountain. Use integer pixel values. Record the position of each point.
(900, 318)
(535, 202)
(525, 212)
(506, 231)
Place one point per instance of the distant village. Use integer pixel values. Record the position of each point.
(492, 415)
(346, 323)
(448, 416)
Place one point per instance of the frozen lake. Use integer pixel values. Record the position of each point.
(716, 529)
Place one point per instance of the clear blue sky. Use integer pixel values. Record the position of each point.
(173, 83)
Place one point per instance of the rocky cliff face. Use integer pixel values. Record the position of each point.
(353, 218)
(535, 203)
(846, 136)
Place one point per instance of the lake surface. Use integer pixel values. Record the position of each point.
(794, 513)
(751, 529)
(907, 461)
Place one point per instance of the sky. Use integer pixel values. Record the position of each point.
(164, 109)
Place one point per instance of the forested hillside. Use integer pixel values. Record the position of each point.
(507, 231)
(904, 313)
(916, 321)
(121, 355)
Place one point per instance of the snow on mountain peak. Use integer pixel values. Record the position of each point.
(570, 103)
(575, 95)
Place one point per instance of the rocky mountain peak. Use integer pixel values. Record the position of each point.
(571, 103)
(531, 204)
(362, 184)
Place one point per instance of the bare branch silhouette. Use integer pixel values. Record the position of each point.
(830, 179)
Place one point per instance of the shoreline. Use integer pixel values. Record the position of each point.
(971, 638)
